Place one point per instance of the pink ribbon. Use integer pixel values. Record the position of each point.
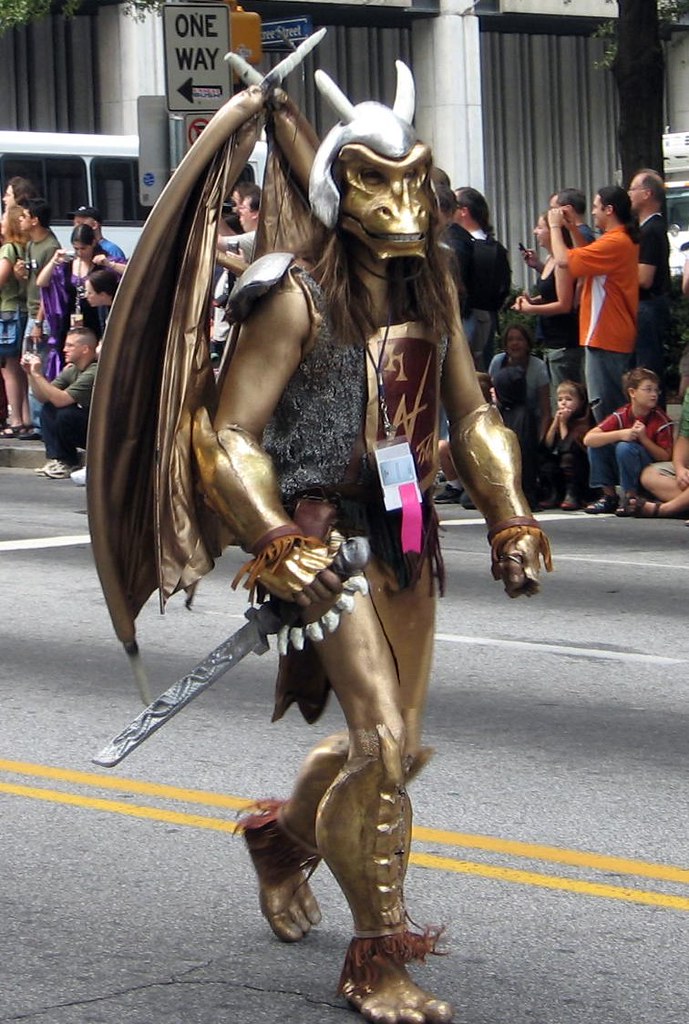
(412, 520)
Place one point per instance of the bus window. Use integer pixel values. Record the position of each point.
(114, 182)
(29, 167)
(60, 180)
(67, 187)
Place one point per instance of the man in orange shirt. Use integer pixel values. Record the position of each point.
(610, 295)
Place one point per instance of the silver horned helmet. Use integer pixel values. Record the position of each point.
(386, 131)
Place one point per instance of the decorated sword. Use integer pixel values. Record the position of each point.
(269, 619)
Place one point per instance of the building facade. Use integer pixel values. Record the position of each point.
(509, 93)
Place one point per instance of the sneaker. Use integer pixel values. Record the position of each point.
(59, 470)
(603, 506)
(43, 470)
(449, 496)
(78, 477)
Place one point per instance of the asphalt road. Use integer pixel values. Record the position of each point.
(551, 826)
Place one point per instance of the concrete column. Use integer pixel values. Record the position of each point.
(678, 82)
(447, 69)
(131, 64)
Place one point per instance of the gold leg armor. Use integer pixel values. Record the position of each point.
(350, 805)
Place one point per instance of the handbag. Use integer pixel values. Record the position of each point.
(10, 333)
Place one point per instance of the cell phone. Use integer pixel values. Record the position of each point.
(522, 247)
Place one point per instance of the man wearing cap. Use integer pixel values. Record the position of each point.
(91, 216)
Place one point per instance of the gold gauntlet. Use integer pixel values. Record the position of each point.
(521, 541)
(488, 461)
(286, 564)
(239, 481)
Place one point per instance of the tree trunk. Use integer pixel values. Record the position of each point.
(638, 70)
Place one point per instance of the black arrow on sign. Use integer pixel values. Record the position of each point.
(186, 90)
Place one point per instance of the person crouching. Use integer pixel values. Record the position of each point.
(66, 401)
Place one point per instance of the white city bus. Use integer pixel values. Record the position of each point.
(72, 170)
(676, 167)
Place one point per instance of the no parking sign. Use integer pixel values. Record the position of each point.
(193, 126)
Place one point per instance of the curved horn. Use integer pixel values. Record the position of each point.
(293, 60)
(405, 97)
(243, 70)
(335, 97)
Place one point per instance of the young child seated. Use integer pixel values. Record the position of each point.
(627, 441)
(564, 471)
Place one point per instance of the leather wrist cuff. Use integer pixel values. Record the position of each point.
(273, 535)
(507, 524)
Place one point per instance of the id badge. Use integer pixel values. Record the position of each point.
(396, 471)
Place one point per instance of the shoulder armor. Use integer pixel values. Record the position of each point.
(257, 280)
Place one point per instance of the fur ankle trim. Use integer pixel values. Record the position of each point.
(364, 962)
(276, 855)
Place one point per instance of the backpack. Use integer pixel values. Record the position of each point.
(490, 275)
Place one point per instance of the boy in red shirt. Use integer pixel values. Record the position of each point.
(627, 441)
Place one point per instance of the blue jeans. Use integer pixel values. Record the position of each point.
(618, 463)
(479, 328)
(563, 364)
(64, 431)
(603, 372)
(652, 326)
(41, 348)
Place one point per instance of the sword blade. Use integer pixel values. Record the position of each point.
(250, 638)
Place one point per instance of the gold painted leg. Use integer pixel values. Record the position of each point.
(283, 867)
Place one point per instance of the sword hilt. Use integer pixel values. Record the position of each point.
(353, 556)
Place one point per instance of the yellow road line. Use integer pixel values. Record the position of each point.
(537, 851)
(611, 892)
(491, 844)
(420, 859)
(115, 807)
(187, 796)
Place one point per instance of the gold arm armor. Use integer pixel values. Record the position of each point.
(488, 460)
(240, 484)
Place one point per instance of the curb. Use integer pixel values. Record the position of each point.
(22, 454)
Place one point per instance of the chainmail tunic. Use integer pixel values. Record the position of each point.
(312, 433)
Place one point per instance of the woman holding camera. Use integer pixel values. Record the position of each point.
(62, 282)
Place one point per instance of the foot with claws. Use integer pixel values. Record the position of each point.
(393, 998)
(283, 868)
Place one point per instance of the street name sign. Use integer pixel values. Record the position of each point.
(283, 35)
(197, 37)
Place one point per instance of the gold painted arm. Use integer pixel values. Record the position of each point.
(239, 481)
(488, 460)
(238, 477)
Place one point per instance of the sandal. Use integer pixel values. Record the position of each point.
(11, 431)
(603, 506)
(643, 509)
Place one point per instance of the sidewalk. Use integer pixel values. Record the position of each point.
(21, 454)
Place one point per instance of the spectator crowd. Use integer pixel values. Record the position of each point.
(590, 414)
(588, 411)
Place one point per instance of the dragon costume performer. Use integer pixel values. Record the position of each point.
(322, 425)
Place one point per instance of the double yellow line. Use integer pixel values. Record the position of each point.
(635, 869)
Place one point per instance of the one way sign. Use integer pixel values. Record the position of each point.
(197, 37)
